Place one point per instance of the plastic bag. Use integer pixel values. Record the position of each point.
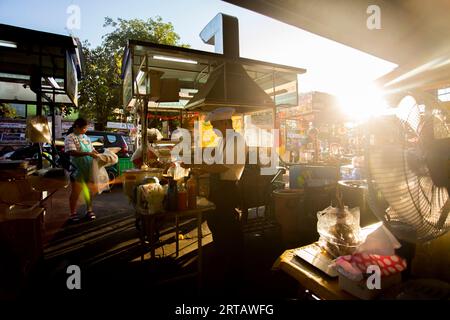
(100, 176)
(100, 179)
(339, 230)
(150, 197)
(107, 158)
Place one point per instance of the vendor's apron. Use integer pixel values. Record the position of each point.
(83, 165)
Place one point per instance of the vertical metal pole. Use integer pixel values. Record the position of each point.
(200, 249)
(181, 118)
(177, 236)
(274, 115)
(39, 113)
(145, 115)
(144, 130)
(40, 163)
(38, 102)
(39, 87)
(274, 109)
(52, 108)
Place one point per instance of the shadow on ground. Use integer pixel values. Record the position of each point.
(108, 252)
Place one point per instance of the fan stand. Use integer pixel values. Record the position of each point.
(432, 259)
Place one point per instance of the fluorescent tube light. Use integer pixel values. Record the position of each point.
(53, 83)
(140, 76)
(8, 44)
(175, 59)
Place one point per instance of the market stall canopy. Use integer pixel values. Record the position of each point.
(201, 81)
(413, 33)
(33, 60)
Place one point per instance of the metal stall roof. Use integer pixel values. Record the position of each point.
(188, 70)
(29, 58)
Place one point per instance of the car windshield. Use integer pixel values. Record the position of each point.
(127, 139)
(94, 138)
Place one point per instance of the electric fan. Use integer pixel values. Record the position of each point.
(407, 157)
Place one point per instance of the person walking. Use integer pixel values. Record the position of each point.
(79, 147)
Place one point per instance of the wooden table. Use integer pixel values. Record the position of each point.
(149, 228)
(310, 278)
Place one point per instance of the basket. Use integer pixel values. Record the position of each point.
(124, 164)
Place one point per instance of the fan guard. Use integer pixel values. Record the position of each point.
(408, 168)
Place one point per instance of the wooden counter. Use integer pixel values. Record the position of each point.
(310, 278)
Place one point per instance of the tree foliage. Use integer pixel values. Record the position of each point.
(153, 30)
(100, 91)
(6, 111)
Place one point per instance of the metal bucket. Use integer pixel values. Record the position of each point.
(354, 194)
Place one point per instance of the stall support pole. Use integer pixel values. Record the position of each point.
(36, 87)
(177, 236)
(52, 109)
(144, 130)
(145, 115)
(200, 250)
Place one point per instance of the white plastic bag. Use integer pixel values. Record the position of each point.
(100, 178)
(107, 158)
(379, 241)
(150, 197)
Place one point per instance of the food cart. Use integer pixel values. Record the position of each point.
(157, 77)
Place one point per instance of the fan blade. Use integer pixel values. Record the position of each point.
(409, 112)
(409, 195)
(443, 221)
(408, 163)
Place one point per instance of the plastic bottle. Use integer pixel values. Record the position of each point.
(172, 202)
(182, 197)
(192, 192)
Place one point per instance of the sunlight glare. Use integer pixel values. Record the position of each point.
(362, 102)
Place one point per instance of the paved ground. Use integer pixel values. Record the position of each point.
(108, 253)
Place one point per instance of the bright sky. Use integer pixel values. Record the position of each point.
(331, 67)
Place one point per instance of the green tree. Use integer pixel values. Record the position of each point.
(100, 88)
(6, 111)
(100, 91)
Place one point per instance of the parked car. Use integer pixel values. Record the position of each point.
(61, 159)
(105, 139)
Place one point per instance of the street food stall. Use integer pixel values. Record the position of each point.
(412, 91)
(43, 69)
(159, 78)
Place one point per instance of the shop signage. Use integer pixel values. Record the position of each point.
(65, 125)
(262, 119)
(12, 125)
(295, 135)
(119, 125)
